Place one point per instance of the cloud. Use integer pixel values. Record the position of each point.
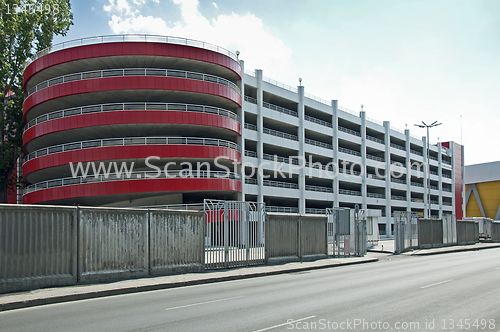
(244, 33)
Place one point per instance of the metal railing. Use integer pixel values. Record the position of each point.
(123, 72)
(250, 72)
(349, 192)
(418, 153)
(380, 123)
(398, 198)
(434, 187)
(250, 126)
(280, 109)
(349, 151)
(132, 38)
(434, 202)
(280, 159)
(397, 146)
(396, 180)
(280, 134)
(131, 107)
(349, 131)
(280, 184)
(448, 203)
(374, 139)
(279, 84)
(348, 171)
(317, 143)
(318, 121)
(319, 189)
(400, 164)
(251, 181)
(315, 211)
(375, 195)
(434, 173)
(282, 209)
(250, 100)
(398, 130)
(447, 190)
(447, 162)
(416, 184)
(372, 157)
(318, 99)
(417, 200)
(252, 154)
(431, 157)
(139, 175)
(374, 176)
(127, 141)
(346, 110)
(446, 176)
(316, 165)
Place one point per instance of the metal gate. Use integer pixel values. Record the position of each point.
(360, 242)
(405, 231)
(234, 233)
(339, 231)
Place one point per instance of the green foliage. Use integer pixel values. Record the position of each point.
(26, 27)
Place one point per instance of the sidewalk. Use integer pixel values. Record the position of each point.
(387, 246)
(80, 292)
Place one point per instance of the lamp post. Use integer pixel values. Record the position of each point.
(424, 125)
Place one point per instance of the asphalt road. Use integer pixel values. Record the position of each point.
(450, 292)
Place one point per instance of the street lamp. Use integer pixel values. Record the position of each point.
(434, 124)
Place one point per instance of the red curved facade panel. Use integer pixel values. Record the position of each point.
(129, 83)
(131, 186)
(129, 49)
(129, 152)
(130, 117)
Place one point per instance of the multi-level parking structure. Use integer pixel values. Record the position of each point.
(123, 99)
(282, 121)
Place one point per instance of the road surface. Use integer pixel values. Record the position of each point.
(449, 292)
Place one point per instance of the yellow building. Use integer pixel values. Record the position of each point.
(482, 188)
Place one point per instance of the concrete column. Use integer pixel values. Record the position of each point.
(426, 179)
(440, 180)
(387, 156)
(364, 190)
(335, 145)
(241, 139)
(301, 134)
(408, 172)
(260, 130)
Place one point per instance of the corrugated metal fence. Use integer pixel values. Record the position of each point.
(294, 237)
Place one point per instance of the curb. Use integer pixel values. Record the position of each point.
(381, 251)
(146, 288)
(452, 251)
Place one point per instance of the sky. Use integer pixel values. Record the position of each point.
(405, 61)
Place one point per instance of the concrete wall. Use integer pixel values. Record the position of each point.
(293, 237)
(430, 233)
(42, 246)
(38, 247)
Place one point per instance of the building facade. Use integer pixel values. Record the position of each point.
(112, 101)
(482, 188)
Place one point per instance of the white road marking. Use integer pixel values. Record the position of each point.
(437, 283)
(287, 323)
(200, 303)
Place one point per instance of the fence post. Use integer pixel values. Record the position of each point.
(299, 236)
(226, 234)
(79, 241)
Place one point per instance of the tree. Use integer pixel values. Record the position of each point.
(26, 27)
